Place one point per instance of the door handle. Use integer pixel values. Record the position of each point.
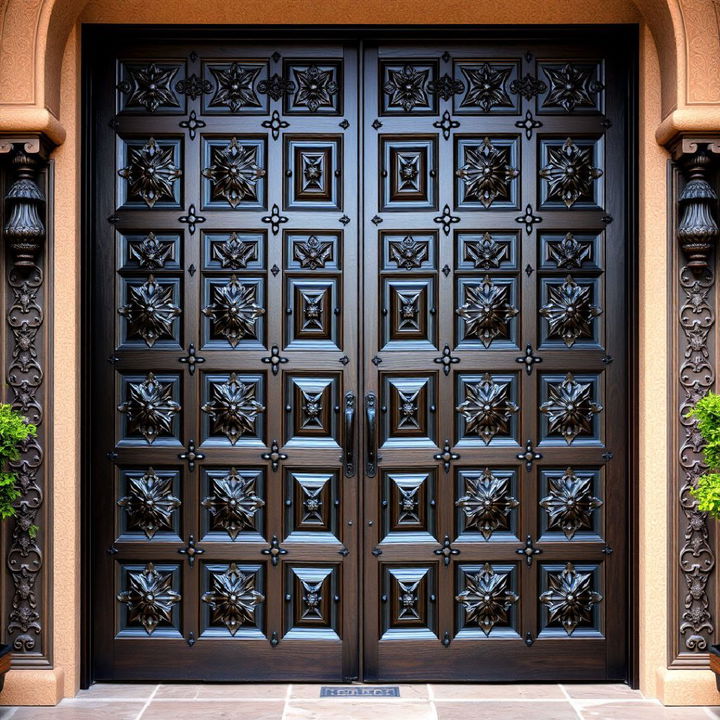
(371, 421)
(349, 413)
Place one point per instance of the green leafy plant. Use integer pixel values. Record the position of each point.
(14, 430)
(707, 490)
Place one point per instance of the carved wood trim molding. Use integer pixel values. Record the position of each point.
(26, 603)
(694, 361)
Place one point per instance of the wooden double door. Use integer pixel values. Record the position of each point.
(359, 382)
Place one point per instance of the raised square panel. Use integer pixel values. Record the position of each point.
(313, 313)
(487, 171)
(313, 250)
(408, 313)
(486, 504)
(569, 314)
(487, 409)
(486, 312)
(486, 87)
(408, 506)
(149, 409)
(238, 250)
(233, 502)
(150, 251)
(408, 410)
(312, 602)
(233, 312)
(149, 597)
(568, 251)
(486, 250)
(234, 172)
(312, 172)
(571, 503)
(149, 312)
(312, 505)
(233, 87)
(233, 600)
(409, 172)
(409, 250)
(570, 409)
(311, 401)
(571, 173)
(150, 86)
(149, 172)
(233, 409)
(149, 504)
(409, 602)
(570, 601)
(572, 86)
(487, 600)
(317, 87)
(406, 87)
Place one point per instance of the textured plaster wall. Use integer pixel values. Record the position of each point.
(42, 68)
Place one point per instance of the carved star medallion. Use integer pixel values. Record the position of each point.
(487, 598)
(569, 503)
(570, 598)
(570, 173)
(234, 172)
(149, 87)
(569, 311)
(233, 598)
(486, 311)
(149, 503)
(571, 87)
(407, 87)
(312, 254)
(151, 172)
(569, 252)
(150, 311)
(233, 310)
(570, 408)
(487, 408)
(486, 87)
(233, 253)
(232, 502)
(235, 87)
(487, 172)
(408, 253)
(316, 88)
(486, 253)
(150, 408)
(150, 598)
(150, 253)
(487, 503)
(233, 408)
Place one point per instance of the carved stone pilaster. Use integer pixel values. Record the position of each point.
(693, 352)
(26, 357)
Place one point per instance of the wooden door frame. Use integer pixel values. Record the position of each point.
(92, 34)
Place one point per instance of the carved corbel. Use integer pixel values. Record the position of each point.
(697, 231)
(24, 228)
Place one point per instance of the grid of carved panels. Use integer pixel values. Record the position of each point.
(232, 227)
(491, 360)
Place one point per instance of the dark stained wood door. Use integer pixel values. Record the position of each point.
(339, 284)
(494, 355)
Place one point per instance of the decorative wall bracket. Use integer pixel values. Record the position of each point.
(697, 230)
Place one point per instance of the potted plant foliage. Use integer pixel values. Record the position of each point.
(14, 431)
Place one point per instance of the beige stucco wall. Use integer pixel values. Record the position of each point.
(679, 89)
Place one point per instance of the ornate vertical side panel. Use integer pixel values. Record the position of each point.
(26, 620)
(694, 355)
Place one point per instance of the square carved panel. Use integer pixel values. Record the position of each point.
(317, 87)
(150, 251)
(312, 602)
(410, 250)
(408, 409)
(313, 250)
(311, 417)
(239, 251)
(312, 505)
(313, 313)
(408, 505)
(486, 250)
(569, 251)
(487, 170)
(486, 504)
(487, 409)
(571, 173)
(233, 600)
(408, 601)
(150, 312)
(408, 313)
(570, 311)
(408, 87)
(572, 86)
(150, 86)
(312, 172)
(409, 172)
(233, 87)
(486, 87)
(233, 501)
(233, 409)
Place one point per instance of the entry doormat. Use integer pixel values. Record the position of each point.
(360, 691)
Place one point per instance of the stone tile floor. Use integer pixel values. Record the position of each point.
(416, 702)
